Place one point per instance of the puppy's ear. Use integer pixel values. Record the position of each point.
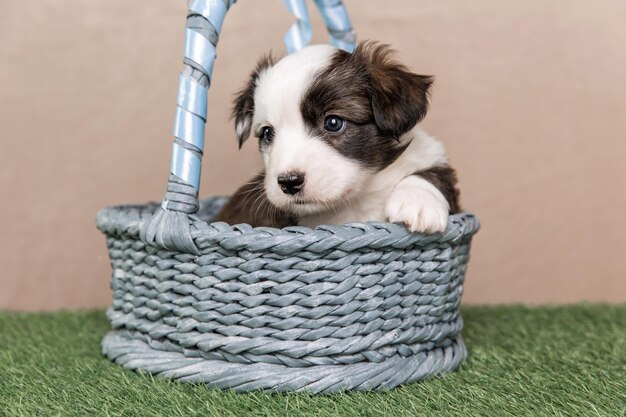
(399, 97)
(243, 105)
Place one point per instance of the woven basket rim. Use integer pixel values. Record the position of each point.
(126, 221)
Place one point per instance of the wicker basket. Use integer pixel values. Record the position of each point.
(360, 306)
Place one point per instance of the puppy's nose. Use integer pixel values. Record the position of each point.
(291, 182)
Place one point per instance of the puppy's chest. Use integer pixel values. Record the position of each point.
(369, 206)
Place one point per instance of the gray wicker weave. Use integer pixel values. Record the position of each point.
(362, 306)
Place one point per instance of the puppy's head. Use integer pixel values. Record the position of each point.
(328, 120)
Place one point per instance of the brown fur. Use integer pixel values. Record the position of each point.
(250, 205)
(399, 97)
(378, 98)
(443, 177)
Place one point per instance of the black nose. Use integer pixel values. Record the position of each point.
(291, 182)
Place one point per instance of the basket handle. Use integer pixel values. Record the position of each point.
(337, 21)
(335, 16)
(170, 226)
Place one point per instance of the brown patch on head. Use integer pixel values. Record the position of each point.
(379, 99)
(243, 105)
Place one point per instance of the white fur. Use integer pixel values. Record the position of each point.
(337, 189)
(418, 204)
(277, 104)
(280, 88)
(384, 193)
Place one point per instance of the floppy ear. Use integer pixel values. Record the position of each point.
(243, 105)
(399, 97)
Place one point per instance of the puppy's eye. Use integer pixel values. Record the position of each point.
(267, 134)
(334, 124)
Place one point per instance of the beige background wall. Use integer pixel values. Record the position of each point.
(529, 100)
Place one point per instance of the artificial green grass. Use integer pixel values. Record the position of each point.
(568, 361)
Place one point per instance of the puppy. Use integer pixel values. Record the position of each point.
(338, 136)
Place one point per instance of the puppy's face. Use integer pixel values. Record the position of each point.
(327, 120)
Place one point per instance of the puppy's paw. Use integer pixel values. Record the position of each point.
(419, 205)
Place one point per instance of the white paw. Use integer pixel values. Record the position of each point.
(419, 205)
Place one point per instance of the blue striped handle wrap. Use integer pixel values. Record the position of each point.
(199, 50)
(335, 17)
(212, 10)
(192, 96)
(299, 34)
(337, 22)
(204, 23)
